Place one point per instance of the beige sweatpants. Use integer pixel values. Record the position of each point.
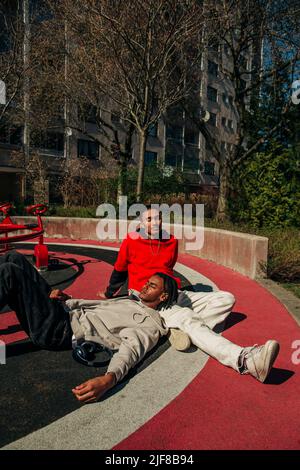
(197, 313)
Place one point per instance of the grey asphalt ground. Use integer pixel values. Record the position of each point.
(102, 425)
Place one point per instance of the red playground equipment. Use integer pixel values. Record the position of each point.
(36, 231)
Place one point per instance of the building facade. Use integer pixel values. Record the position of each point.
(174, 142)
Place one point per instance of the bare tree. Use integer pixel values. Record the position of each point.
(36, 171)
(71, 95)
(133, 58)
(19, 28)
(11, 40)
(267, 34)
(82, 184)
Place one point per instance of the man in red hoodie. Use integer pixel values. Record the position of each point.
(143, 251)
(151, 249)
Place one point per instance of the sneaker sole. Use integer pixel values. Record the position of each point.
(272, 350)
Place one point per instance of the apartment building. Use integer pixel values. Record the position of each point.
(174, 142)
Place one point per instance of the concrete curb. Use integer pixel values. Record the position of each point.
(241, 252)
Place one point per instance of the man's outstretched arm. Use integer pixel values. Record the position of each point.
(135, 344)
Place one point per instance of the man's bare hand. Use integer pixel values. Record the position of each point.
(59, 295)
(93, 389)
(102, 295)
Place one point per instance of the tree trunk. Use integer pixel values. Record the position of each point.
(222, 208)
(122, 178)
(124, 160)
(140, 181)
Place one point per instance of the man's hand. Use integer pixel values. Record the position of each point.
(93, 389)
(59, 295)
(102, 295)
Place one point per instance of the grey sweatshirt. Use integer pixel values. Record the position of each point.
(121, 324)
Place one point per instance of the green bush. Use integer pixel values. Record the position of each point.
(267, 189)
(283, 251)
(73, 211)
(284, 255)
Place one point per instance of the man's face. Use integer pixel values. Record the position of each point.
(151, 219)
(153, 290)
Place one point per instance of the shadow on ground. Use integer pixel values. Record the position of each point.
(279, 376)
(233, 319)
(35, 386)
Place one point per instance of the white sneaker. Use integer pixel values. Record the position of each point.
(179, 339)
(260, 359)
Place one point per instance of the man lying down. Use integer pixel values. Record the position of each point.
(130, 326)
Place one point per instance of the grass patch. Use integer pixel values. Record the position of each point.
(293, 287)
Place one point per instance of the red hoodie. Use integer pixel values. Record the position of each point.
(141, 257)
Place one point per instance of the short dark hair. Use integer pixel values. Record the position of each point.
(170, 287)
(149, 207)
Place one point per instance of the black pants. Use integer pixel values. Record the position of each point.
(25, 291)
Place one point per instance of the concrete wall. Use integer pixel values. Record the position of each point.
(239, 251)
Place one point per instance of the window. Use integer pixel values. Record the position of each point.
(4, 135)
(175, 113)
(191, 136)
(191, 158)
(212, 119)
(15, 135)
(48, 141)
(207, 146)
(212, 68)
(150, 158)
(173, 154)
(39, 12)
(55, 141)
(174, 133)
(209, 168)
(171, 159)
(88, 148)
(11, 135)
(89, 114)
(152, 131)
(212, 94)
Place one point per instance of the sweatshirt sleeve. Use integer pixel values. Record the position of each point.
(120, 272)
(123, 256)
(136, 342)
(175, 255)
(117, 279)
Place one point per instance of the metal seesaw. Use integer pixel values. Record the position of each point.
(36, 231)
